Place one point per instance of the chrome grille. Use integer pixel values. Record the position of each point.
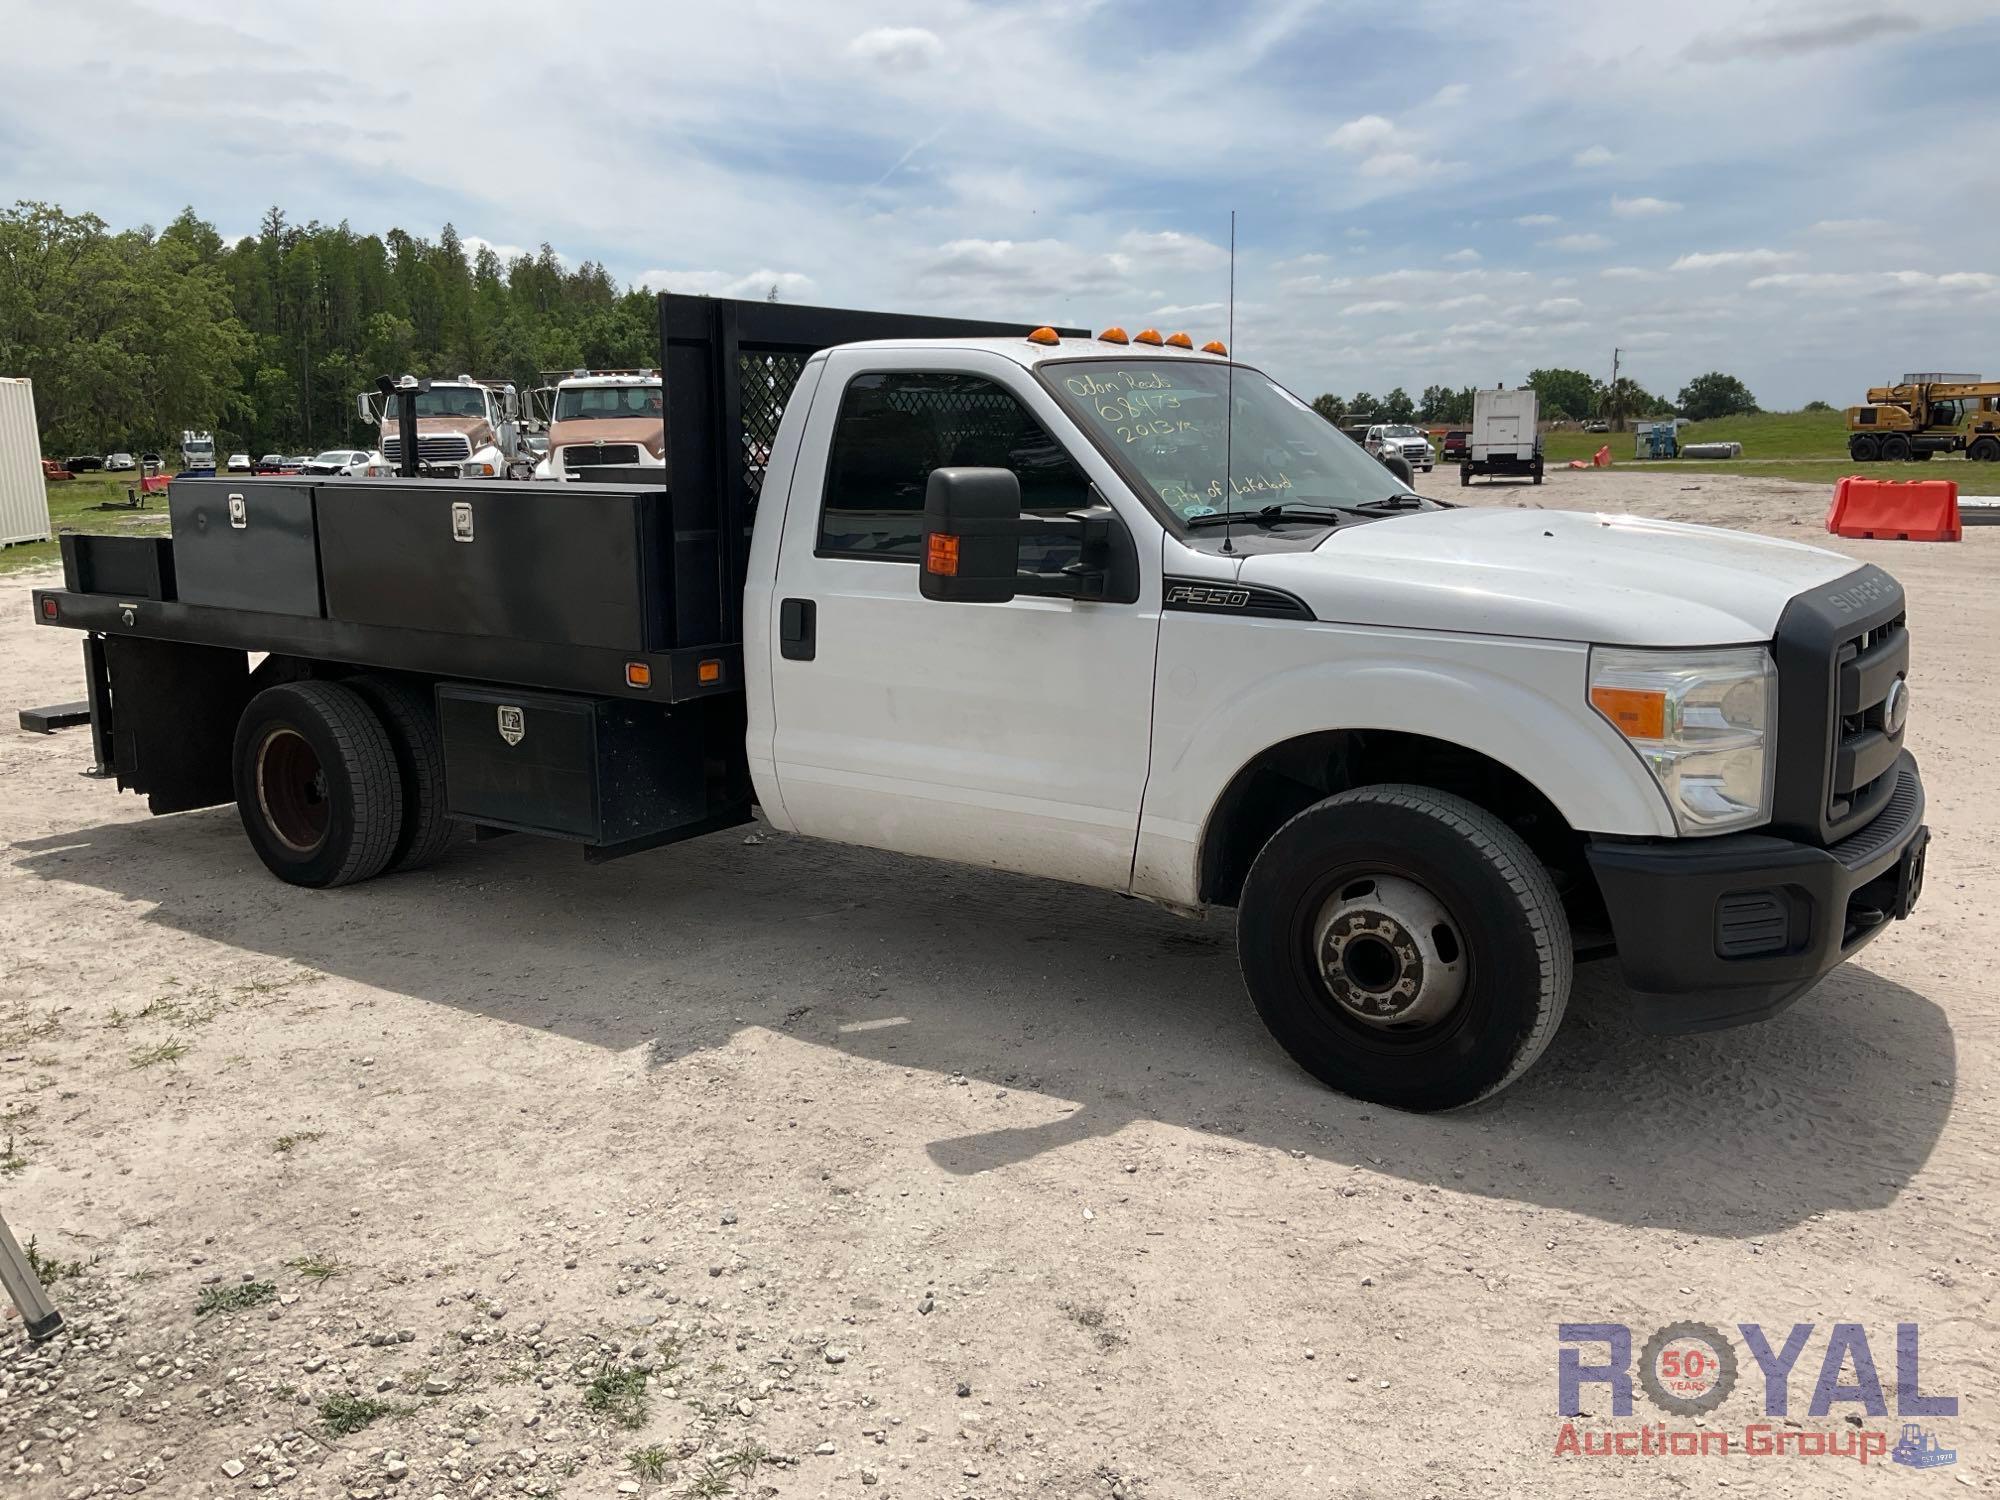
(1865, 748)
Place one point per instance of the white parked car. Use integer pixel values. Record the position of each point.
(121, 461)
(344, 462)
(239, 463)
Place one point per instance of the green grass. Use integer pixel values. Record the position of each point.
(317, 1267)
(238, 1298)
(619, 1395)
(171, 1050)
(73, 507)
(345, 1415)
(651, 1463)
(1808, 447)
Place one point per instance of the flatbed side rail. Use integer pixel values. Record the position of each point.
(675, 676)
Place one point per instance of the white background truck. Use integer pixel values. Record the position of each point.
(1504, 440)
(1123, 614)
(465, 428)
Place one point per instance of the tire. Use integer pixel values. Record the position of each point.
(1985, 451)
(1895, 449)
(1464, 476)
(1492, 972)
(1863, 448)
(316, 784)
(406, 711)
(1538, 471)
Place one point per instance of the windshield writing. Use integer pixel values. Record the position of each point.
(1173, 423)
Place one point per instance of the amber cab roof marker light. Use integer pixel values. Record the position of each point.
(1113, 335)
(1180, 341)
(1215, 346)
(1147, 336)
(1044, 336)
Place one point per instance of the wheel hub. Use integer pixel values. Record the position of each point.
(1389, 953)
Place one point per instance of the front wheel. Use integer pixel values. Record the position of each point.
(1405, 947)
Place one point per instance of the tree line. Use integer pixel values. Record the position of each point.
(1562, 395)
(132, 336)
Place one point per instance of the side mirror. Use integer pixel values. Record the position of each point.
(362, 405)
(972, 536)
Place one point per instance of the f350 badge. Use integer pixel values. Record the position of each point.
(1212, 598)
(513, 723)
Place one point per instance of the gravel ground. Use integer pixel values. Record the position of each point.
(757, 1166)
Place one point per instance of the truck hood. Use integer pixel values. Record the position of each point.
(1552, 575)
(646, 431)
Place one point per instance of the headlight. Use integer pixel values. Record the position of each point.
(1701, 721)
(476, 471)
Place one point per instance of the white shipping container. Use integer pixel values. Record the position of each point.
(24, 496)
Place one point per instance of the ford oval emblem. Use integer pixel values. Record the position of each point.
(1896, 707)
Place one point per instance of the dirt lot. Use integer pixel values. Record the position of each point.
(909, 1181)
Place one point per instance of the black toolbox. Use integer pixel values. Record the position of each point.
(245, 543)
(602, 771)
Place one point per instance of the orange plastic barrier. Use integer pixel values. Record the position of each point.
(1895, 510)
(153, 484)
(1602, 457)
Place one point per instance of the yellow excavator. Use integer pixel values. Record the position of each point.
(1925, 415)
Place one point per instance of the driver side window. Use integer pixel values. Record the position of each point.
(894, 428)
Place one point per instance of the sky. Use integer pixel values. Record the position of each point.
(1802, 194)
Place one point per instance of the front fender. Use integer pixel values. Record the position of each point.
(1522, 703)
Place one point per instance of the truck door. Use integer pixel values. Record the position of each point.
(1014, 735)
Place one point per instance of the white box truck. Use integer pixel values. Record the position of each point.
(1504, 440)
(24, 497)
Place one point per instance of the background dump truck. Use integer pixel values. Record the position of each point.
(603, 419)
(466, 428)
(1504, 440)
(1103, 611)
(1924, 415)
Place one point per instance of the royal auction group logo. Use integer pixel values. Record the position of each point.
(1688, 1370)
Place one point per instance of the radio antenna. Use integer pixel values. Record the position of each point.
(1229, 400)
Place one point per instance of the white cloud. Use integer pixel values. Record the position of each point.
(1537, 221)
(1451, 93)
(1359, 234)
(1043, 267)
(1385, 149)
(1709, 260)
(1628, 273)
(1852, 228)
(1170, 250)
(1466, 257)
(1369, 133)
(1643, 208)
(1578, 243)
(1554, 305)
(897, 49)
(1363, 309)
(1469, 299)
(1593, 156)
(1303, 262)
(791, 285)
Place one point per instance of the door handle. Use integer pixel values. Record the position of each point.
(798, 620)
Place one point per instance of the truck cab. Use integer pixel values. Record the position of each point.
(466, 428)
(600, 419)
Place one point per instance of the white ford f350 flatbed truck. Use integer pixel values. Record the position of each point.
(1118, 612)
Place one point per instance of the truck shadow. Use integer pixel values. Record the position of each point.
(1073, 995)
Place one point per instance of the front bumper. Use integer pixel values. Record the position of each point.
(1721, 931)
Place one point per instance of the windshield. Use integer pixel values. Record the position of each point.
(586, 402)
(1402, 432)
(335, 456)
(208, 448)
(1163, 420)
(449, 401)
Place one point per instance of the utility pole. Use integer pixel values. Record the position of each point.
(1617, 398)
